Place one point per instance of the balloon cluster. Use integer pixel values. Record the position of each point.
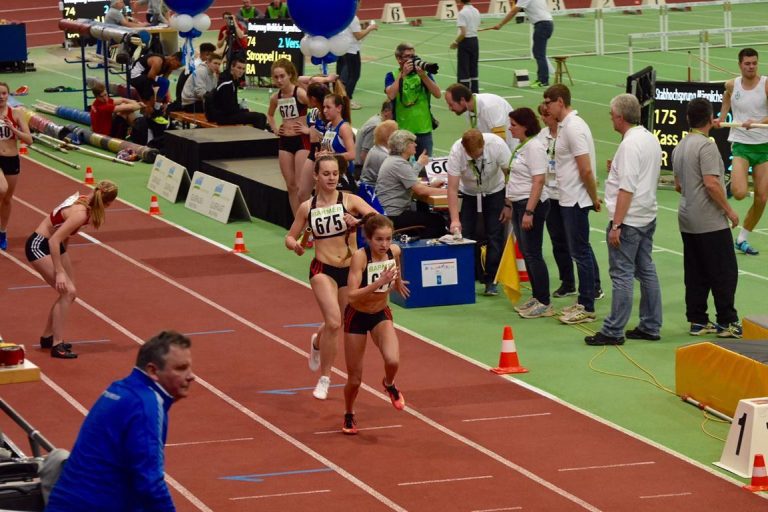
(191, 21)
(327, 38)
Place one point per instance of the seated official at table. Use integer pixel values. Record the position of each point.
(112, 116)
(224, 107)
(398, 180)
(204, 80)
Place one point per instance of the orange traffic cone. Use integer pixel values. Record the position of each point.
(522, 273)
(508, 361)
(239, 243)
(89, 176)
(759, 476)
(154, 207)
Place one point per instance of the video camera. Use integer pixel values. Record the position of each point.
(429, 67)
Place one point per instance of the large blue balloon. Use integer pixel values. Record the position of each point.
(191, 7)
(326, 18)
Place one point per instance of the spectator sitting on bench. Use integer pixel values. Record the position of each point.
(201, 82)
(112, 116)
(277, 10)
(222, 106)
(150, 71)
(205, 50)
(248, 12)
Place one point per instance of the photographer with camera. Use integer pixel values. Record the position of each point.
(232, 37)
(410, 88)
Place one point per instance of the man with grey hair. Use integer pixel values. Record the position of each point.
(398, 179)
(409, 88)
(115, 16)
(117, 461)
(630, 197)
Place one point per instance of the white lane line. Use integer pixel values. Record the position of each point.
(223, 396)
(508, 417)
(609, 466)
(446, 480)
(82, 410)
(212, 441)
(434, 424)
(338, 431)
(497, 509)
(278, 495)
(665, 495)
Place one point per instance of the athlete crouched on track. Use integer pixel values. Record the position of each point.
(330, 215)
(46, 250)
(374, 271)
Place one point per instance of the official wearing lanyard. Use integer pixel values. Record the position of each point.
(476, 168)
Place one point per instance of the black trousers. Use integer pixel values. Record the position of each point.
(348, 67)
(466, 67)
(257, 119)
(709, 264)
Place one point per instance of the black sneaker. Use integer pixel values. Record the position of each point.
(63, 351)
(600, 339)
(638, 334)
(46, 341)
(350, 425)
(564, 291)
(599, 294)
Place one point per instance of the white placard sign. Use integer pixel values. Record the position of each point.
(436, 169)
(215, 198)
(439, 272)
(747, 437)
(168, 179)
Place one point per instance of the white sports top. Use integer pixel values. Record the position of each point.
(749, 104)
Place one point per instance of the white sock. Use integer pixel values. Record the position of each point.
(743, 235)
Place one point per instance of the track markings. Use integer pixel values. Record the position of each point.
(497, 509)
(312, 325)
(31, 287)
(279, 495)
(258, 478)
(293, 391)
(508, 417)
(609, 466)
(212, 441)
(202, 333)
(665, 495)
(446, 480)
(338, 431)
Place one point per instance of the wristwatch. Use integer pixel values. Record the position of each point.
(615, 227)
(529, 212)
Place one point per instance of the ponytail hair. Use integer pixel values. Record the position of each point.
(341, 92)
(343, 102)
(104, 193)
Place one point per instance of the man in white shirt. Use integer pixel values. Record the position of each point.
(630, 197)
(574, 165)
(476, 167)
(487, 112)
(203, 80)
(466, 42)
(349, 65)
(539, 14)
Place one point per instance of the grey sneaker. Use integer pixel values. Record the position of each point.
(539, 310)
(491, 290)
(732, 330)
(578, 315)
(701, 329)
(525, 305)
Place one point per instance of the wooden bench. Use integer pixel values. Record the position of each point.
(188, 118)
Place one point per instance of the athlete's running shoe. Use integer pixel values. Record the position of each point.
(732, 330)
(350, 425)
(321, 389)
(3, 240)
(397, 398)
(314, 354)
(701, 329)
(745, 248)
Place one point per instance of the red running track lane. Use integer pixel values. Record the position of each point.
(468, 441)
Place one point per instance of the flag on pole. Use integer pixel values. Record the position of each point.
(507, 275)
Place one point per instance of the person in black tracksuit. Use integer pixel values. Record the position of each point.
(222, 106)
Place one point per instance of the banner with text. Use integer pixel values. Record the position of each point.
(270, 40)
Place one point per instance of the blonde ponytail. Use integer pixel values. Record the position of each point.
(104, 193)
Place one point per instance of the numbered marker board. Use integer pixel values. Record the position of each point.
(393, 13)
(669, 124)
(270, 40)
(436, 169)
(88, 9)
(747, 437)
(447, 10)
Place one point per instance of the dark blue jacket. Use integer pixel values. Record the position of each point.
(117, 461)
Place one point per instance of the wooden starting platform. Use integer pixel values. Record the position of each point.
(25, 372)
(187, 119)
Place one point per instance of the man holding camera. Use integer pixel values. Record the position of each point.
(409, 88)
(232, 36)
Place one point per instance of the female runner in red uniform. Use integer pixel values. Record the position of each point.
(13, 127)
(331, 218)
(46, 250)
(374, 271)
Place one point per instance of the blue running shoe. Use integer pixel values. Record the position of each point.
(746, 248)
(4, 240)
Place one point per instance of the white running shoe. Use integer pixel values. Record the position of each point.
(321, 390)
(314, 354)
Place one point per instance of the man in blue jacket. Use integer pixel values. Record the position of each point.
(117, 462)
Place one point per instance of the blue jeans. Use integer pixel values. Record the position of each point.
(560, 245)
(542, 31)
(576, 223)
(530, 243)
(632, 260)
(494, 229)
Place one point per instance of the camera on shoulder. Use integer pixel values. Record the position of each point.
(429, 67)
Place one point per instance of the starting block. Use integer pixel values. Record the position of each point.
(446, 10)
(393, 13)
(747, 437)
(521, 78)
